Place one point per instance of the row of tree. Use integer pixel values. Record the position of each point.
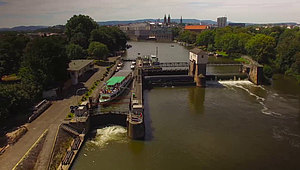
(41, 63)
(277, 48)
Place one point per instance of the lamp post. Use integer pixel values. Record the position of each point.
(83, 88)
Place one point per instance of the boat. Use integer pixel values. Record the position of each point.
(115, 86)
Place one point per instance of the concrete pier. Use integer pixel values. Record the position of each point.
(135, 119)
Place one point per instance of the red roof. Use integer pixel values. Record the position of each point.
(196, 27)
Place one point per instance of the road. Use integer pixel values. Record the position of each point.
(50, 120)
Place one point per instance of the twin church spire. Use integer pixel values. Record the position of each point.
(168, 21)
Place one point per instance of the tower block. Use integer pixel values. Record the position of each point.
(197, 67)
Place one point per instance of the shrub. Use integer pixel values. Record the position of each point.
(268, 72)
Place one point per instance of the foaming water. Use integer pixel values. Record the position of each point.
(246, 85)
(109, 134)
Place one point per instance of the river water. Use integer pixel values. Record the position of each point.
(228, 125)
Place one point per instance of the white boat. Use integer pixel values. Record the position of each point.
(118, 69)
(115, 86)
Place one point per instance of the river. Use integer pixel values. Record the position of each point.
(228, 125)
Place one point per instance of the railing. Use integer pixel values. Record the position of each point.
(212, 64)
(111, 112)
(174, 64)
(186, 64)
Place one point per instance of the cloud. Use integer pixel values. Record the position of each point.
(52, 12)
(2, 3)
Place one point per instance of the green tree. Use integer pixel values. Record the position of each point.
(243, 38)
(176, 31)
(187, 36)
(75, 51)
(15, 99)
(80, 39)
(80, 24)
(262, 48)
(45, 62)
(296, 65)
(112, 37)
(11, 52)
(206, 37)
(288, 46)
(228, 42)
(98, 50)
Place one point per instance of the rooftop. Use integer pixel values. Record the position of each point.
(196, 51)
(196, 27)
(76, 65)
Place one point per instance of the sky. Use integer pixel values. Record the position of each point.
(54, 12)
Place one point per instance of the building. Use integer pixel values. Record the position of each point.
(237, 24)
(78, 68)
(222, 22)
(196, 28)
(198, 60)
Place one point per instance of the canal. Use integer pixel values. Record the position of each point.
(228, 125)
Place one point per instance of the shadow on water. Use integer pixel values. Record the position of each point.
(136, 146)
(147, 118)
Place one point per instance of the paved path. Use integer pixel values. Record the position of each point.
(51, 118)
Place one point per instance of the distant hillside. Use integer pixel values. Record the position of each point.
(60, 28)
(188, 21)
(23, 28)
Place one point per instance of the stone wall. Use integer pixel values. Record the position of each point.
(256, 74)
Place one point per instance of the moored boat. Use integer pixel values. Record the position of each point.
(115, 86)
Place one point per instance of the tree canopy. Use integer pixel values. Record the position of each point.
(98, 50)
(75, 51)
(78, 29)
(45, 61)
(11, 51)
(112, 37)
(262, 48)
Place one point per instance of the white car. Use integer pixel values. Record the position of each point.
(132, 66)
(133, 62)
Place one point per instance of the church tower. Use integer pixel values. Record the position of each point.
(165, 19)
(181, 20)
(169, 19)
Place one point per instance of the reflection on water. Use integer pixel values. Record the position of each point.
(197, 98)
